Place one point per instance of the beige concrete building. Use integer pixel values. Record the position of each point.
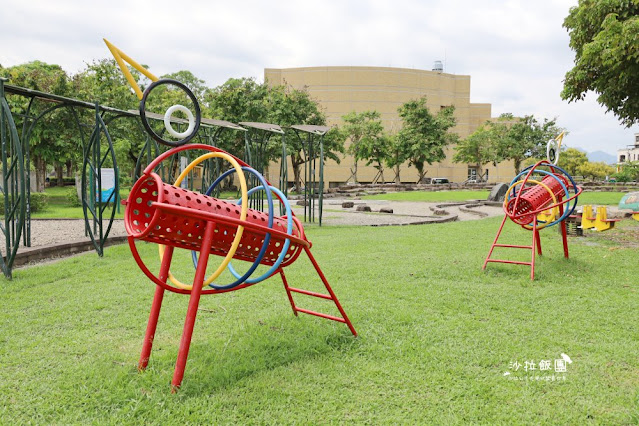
(340, 90)
(629, 153)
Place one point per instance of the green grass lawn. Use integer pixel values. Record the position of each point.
(587, 197)
(59, 207)
(436, 332)
(58, 194)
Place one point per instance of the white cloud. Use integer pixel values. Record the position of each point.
(515, 51)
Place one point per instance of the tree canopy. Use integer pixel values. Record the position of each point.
(48, 144)
(524, 138)
(479, 148)
(364, 129)
(424, 136)
(521, 140)
(287, 106)
(595, 170)
(571, 159)
(629, 172)
(236, 100)
(604, 37)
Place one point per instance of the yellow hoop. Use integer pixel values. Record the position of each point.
(240, 228)
(554, 211)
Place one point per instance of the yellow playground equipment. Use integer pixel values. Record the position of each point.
(599, 221)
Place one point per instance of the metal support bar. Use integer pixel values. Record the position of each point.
(309, 293)
(331, 296)
(155, 309)
(321, 315)
(191, 313)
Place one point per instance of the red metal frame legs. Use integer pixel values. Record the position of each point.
(288, 291)
(191, 313)
(155, 310)
(564, 239)
(330, 296)
(494, 244)
(564, 234)
(147, 345)
(535, 247)
(536, 241)
(196, 292)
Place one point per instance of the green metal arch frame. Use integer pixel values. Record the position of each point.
(313, 149)
(256, 141)
(15, 157)
(26, 138)
(13, 185)
(15, 172)
(93, 159)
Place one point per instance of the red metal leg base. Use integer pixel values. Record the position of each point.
(535, 248)
(331, 296)
(194, 301)
(147, 345)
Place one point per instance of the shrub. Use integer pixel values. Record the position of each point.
(629, 172)
(39, 202)
(72, 197)
(125, 180)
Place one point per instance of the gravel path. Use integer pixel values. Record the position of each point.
(56, 231)
(404, 212)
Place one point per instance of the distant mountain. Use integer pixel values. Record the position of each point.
(602, 156)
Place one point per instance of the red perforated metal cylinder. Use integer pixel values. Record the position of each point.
(534, 198)
(143, 220)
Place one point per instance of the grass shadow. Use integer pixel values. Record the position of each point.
(253, 349)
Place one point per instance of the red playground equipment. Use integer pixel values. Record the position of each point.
(535, 204)
(174, 217)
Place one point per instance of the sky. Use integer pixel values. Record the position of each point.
(516, 52)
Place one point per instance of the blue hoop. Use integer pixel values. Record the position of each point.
(568, 210)
(572, 181)
(287, 242)
(267, 237)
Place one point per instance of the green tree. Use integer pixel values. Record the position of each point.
(238, 99)
(376, 150)
(197, 85)
(396, 156)
(629, 172)
(102, 81)
(479, 147)
(361, 128)
(603, 35)
(47, 146)
(424, 136)
(571, 159)
(523, 138)
(287, 106)
(595, 170)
